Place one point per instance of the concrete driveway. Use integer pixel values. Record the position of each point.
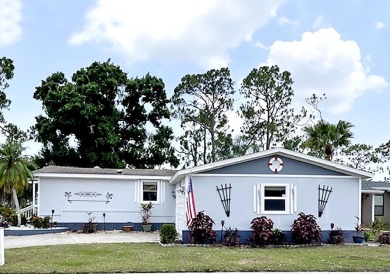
(79, 238)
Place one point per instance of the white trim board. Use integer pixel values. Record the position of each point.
(275, 176)
(101, 176)
(280, 152)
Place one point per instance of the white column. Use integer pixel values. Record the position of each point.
(372, 207)
(1, 246)
(33, 197)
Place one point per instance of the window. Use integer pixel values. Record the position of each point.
(378, 205)
(149, 191)
(275, 199)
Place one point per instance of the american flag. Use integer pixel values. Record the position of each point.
(190, 204)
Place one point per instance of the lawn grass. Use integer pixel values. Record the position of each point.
(131, 257)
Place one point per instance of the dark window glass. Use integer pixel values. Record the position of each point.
(274, 205)
(274, 191)
(150, 191)
(379, 205)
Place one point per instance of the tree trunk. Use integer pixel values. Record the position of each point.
(16, 201)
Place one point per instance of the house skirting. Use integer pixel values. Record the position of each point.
(246, 234)
(37, 231)
(110, 226)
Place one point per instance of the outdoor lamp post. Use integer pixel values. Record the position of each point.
(104, 221)
(52, 215)
(222, 224)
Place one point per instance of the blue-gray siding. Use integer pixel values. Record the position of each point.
(260, 166)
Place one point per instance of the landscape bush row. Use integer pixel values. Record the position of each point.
(304, 230)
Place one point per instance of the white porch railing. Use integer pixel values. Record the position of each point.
(28, 211)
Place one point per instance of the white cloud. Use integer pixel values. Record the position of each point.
(379, 25)
(285, 21)
(175, 30)
(321, 62)
(10, 16)
(259, 44)
(318, 22)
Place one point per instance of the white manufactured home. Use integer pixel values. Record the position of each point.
(276, 183)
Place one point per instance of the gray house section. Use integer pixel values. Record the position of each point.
(375, 201)
(260, 166)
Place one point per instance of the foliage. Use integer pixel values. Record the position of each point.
(262, 231)
(358, 227)
(7, 213)
(278, 237)
(362, 157)
(231, 237)
(146, 212)
(15, 172)
(336, 236)
(201, 102)
(90, 226)
(100, 118)
(39, 222)
(6, 73)
(324, 138)
(384, 238)
(369, 236)
(268, 118)
(168, 233)
(305, 229)
(377, 227)
(4, 224)
(201, 229)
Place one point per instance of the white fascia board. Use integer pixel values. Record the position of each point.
(102, 176)
(370, 191)
(382, 188)
(282, 152)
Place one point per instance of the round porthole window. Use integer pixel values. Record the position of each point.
(275, 164)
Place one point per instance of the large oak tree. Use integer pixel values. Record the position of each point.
(103, 118)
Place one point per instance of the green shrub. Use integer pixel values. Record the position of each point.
(377, 227)
(336, 236)
(278, 237)
(168, 233)
(39, 222)
(8, 214)
(369, 236)
(305, 229)
(384, 238)
(89, 227)
(231, 237)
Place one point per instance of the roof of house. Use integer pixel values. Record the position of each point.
(281, 152)
(375, 187)
(103, 171)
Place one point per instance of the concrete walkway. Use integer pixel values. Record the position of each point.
(79, 238)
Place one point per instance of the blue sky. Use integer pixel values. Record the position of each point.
(335, 47)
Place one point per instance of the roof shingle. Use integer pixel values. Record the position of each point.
(105, 171)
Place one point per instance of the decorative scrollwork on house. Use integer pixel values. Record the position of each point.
(225, 196)
(109, 197)
(323, 197)
(88, 194)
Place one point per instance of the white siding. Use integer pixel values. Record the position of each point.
(123, 207)
(341, 208)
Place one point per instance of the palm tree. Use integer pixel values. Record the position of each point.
(14, 172)
(324, 138)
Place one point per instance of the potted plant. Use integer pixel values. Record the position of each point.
(358, 238)
(146, 211)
